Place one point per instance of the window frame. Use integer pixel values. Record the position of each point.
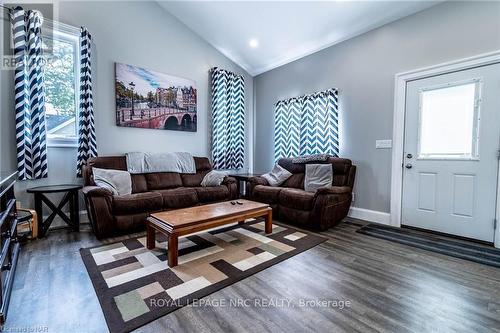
(475, 154)
(73, 38)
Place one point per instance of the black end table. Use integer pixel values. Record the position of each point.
(243, 177)
(70, 196)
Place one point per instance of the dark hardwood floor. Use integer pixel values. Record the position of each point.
(391, 288)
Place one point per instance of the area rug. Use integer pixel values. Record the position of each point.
(135, 285)
(428, 241)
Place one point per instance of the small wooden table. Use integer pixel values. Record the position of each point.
(186, 221)
(243, 177)
(70, 196)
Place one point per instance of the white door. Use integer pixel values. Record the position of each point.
(452, 140)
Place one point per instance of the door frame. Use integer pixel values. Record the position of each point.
(398, 131)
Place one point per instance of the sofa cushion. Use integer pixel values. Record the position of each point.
(341, 168)
(193, 180)
(266, 194)
(202, 164)
(137, 203)
(163, 180)
(213, 193)
(296, 181)
(139, 183)
(296, 198)
(179, 197)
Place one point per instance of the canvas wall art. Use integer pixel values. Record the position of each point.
(148, 99)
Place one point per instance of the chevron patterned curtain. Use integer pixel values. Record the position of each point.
(29, 94)
(87, 144)
(228, 119)
(307, 125)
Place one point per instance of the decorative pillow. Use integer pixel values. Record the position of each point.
(117, 181)
(277, 176)
(214, 178)
(317, 176)
(310, 158)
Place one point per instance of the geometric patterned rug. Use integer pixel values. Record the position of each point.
(135, 286)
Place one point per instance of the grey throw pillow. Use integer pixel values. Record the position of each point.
(277, 176)
(317, 176)
(117, 181)
(213, 178)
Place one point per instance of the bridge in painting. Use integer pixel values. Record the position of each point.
(158, 118)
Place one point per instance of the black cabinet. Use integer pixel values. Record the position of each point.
(9, 245)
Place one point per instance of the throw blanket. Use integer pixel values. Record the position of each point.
(310, 158)
(160, 162)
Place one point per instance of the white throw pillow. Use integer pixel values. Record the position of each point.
(214, 178)
(118, 182)
(277, 176)
(317, 176)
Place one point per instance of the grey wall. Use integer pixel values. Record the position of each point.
(363, 70)
(145, 35)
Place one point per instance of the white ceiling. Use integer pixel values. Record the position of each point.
(286, 30)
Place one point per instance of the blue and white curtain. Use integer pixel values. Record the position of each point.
(307, 125)
(228, 119)
(29, 94)
(87, 144)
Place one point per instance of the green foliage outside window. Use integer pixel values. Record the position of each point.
(59, 77)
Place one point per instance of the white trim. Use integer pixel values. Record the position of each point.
(400, 82)
(370, 215)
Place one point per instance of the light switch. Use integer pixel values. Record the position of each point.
(383, 144)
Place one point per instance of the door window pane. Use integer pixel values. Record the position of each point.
(448, 122)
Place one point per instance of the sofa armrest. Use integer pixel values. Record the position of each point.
(331, 205)
(254, 181)
(99, 203)
(228, 180)
(232, 186)
(334, 190)
(96, 191)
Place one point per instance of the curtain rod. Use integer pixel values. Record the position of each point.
(6, 8)
(51, 23)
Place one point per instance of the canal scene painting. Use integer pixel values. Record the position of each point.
(148, 99)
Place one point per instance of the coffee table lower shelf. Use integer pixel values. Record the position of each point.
(173, 232)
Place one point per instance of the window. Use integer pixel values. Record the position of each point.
(61, 74)
(449, 121)
(307, 125)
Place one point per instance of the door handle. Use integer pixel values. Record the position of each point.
(408, 166)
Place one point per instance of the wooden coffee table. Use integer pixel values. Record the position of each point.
(180, 222)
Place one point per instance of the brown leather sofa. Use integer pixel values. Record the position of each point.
(112, 215)
(320, 210)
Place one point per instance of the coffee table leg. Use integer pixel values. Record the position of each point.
(150, 237)
(269, 221)
(172, 250)
(241, 222)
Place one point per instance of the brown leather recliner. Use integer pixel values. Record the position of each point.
(320, 210)
(112, 215)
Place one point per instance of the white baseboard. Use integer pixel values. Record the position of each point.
(370, 215)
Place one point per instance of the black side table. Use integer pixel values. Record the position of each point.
(70, 196)
(243, 177)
